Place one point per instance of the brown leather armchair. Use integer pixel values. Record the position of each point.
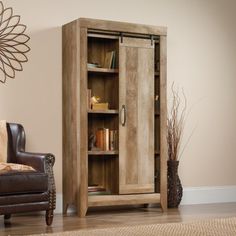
(27, 191)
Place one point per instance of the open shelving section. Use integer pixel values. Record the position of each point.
(103, 83)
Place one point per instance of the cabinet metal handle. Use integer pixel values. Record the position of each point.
(123, 115)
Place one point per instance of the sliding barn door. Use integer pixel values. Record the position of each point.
(136, 104)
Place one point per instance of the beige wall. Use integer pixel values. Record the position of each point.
(201, 58)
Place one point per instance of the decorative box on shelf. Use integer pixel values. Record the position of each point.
(100, 106)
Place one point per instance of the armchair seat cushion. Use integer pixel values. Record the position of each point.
(18, 182)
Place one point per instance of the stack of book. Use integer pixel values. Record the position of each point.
(93, 65)
(110, 60)
(106, 140)
(89, 92)
(97, 190)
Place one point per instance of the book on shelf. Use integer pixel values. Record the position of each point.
(110, 60)
(89, 92)
(100, 139)
(106, 140)
(97, 190)
(113, 63)
(113, 140)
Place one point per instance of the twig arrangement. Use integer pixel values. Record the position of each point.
(175, 124)
(12, 43)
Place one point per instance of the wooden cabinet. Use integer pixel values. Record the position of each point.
(124, 65)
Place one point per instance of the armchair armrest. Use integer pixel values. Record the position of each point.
(39, 161)
(43, 163)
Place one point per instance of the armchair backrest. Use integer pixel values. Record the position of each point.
(16, 141)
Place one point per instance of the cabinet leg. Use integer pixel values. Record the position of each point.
(164, 207)
(82, 212)
(65, 208)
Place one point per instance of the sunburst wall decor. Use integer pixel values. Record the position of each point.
(12, 43)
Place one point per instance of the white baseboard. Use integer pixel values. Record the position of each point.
(204, 195)
(59, 203)
(192, 195)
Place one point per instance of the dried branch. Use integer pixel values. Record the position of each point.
(175, 124)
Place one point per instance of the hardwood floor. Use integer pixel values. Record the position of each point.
(35, 223)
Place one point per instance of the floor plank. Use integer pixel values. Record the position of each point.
(35, 224)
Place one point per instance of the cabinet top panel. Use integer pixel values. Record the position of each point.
(124, 27)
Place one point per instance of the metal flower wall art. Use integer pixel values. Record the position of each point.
(12, 43)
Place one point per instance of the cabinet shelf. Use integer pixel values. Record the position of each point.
(157, 73)
(102, 70)
(110, 111)
(116, 152)
(98, 193)
(115, 200)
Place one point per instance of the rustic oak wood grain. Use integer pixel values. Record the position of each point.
(122, 26)
(136, 88)
(163, 122)
(112, 200)
(83, 133)
(129, 170)
(70, 119)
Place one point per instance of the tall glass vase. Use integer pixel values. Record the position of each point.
(175, 190)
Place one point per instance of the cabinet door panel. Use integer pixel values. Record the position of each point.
(136, 100)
